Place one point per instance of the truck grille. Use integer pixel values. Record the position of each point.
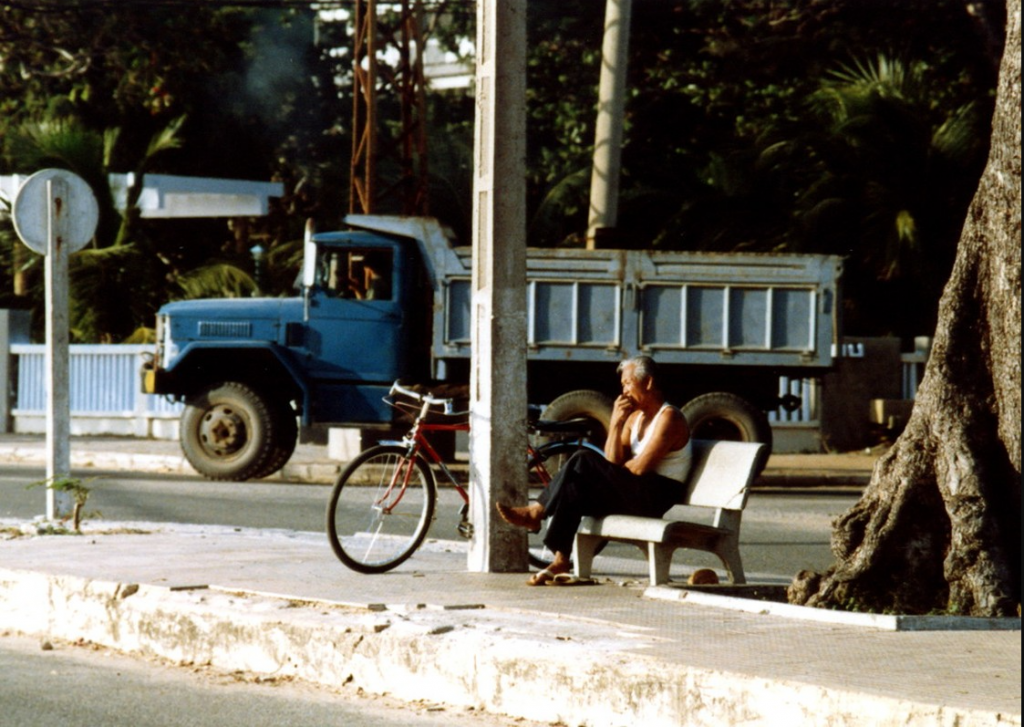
(225, 329)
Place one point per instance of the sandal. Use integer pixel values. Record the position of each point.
(568, 579)
(542, 578)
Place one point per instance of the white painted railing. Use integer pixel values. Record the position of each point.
(104, 390)
(807, 390)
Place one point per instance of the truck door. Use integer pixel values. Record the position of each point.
(355, 336)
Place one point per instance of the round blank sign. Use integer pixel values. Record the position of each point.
(65, 196)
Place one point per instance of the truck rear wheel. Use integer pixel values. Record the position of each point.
(227, 432)
(586, 403)
(721, 415)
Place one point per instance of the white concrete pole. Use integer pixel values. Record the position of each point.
(58, 400)
(498, 376)
(611, 104)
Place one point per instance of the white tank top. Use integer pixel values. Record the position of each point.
(674, 465)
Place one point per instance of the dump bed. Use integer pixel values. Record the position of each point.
(736, 309)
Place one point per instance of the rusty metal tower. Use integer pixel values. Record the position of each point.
(393, 33)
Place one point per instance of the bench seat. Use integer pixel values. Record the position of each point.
(720, 480)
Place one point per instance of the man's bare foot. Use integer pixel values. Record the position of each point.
(560, 563)
(528, 517)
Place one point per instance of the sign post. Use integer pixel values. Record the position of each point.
(55, 214)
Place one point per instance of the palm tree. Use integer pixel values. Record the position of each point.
(876, 171)
(122, 276)
(891, 179)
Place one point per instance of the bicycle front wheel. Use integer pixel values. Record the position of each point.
(380, 509)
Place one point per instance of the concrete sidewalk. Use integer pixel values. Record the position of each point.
(616, 654)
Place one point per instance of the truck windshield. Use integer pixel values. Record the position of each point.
(357, 274)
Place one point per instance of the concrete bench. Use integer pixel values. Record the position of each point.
(719, 480)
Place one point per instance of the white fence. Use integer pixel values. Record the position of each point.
(104, 389)
(807, 390)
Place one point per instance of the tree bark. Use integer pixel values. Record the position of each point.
(938, 527)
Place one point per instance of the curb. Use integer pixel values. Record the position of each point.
(488, 659)
(799, 480)
(885, 622)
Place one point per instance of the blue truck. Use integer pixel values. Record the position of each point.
(389, 298)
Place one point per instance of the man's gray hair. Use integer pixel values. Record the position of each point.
(643, 368)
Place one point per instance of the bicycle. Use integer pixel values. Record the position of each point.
(384, 500)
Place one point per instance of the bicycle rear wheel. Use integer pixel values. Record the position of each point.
(541, 469)
(380, 509)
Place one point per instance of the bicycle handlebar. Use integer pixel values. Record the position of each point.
(578, 426)
(428, 400)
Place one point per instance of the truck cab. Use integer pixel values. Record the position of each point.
(249, 370)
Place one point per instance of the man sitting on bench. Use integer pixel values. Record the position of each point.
(647, 459)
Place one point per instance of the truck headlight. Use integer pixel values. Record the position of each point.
(166, 350)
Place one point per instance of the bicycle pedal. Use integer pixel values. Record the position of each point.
(466, 530)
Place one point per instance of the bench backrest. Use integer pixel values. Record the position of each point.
(722, 473)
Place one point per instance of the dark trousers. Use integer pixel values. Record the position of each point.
(589, 484)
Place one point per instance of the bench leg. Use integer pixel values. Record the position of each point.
(659, 562)
(729, 553)
(584, 550)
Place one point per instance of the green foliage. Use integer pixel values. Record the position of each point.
(768, 126)
(563, 67)
(141, 335)
(564, 201)
(216, 91)
(856, 127)
(74, 486)
(106, 302)
(219, 280)
(105, 68)
(58, 142)
(894, 176)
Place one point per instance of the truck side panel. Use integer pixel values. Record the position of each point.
(778, 326)
(778, 315)
(732, 317)
(563, 314)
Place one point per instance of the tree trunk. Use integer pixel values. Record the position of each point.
(938, 527)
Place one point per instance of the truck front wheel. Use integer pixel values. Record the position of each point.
(721, 415)
(286, 432)
(227, 432)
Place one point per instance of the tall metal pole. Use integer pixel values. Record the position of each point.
(58, 400)
(363, 171)
(498, 375)
(415, 199)
(604, 180)
(370, 79)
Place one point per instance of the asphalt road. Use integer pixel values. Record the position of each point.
(783, 531)
(84, 685)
